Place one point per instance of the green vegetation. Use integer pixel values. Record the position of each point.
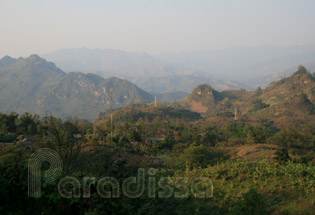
(284, 103)
(279, 179)
(259, 163)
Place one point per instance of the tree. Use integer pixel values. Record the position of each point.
(28, 123)
(196, 156)
(282, 155)
(4, 129)
(61, 139)
(211, 136)
(134, 136)
(123, 142)
(253, 203)
(301, 68)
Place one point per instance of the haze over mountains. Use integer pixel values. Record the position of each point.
(37, 86)
(244, 63)
(247, 68)
(264, 81)
(89, 88)
(149, 73)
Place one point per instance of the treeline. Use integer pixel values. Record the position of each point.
(175, 147)
(14, 126)
(172, 132)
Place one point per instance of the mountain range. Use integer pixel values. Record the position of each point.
(243, 63)
(264, 81)
(148, 72)
(285, 102)
(37, 86)
(234, 68)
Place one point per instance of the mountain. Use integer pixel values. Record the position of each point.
(37, 86)
(203, 99)
(264, 81)
(243, 63)
(184, 83)
(149, 73)
(285, 102)
(127, 64)
(249, 68)
(171, 96)
(7, 61)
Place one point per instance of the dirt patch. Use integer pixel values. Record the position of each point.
(254, 152)
(198, 107)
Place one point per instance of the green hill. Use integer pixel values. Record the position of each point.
(285, 102)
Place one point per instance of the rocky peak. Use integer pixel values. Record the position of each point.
(205, 92)
(7, 61)
(34, 57)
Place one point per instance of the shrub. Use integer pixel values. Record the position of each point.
(252, 203)
(282, 155)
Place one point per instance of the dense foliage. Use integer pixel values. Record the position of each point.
(278, 179)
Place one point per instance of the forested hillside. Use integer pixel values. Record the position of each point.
(285, 102)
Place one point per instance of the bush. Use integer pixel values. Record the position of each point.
(252, 203)
(196, 156)
(282, 155)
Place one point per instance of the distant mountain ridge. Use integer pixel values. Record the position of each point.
(148, 72)
(107, 60)
(184, 83)
(264, 81)
(37, 86)
(243, 63)
(233, 68)
(172, 96)
(286, 102)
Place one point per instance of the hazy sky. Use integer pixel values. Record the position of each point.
(41, 26)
